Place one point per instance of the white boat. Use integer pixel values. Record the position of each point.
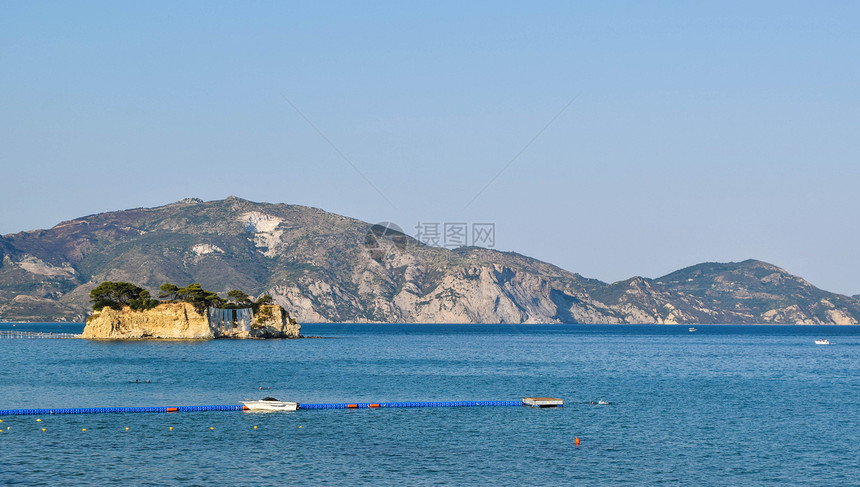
(270, 404)
(822, 342)
(692, 330)
(603, 403)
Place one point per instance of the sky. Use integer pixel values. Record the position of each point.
(612, 139)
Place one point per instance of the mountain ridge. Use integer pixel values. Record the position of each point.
(326, 267)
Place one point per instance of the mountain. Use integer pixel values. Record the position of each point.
(330, 268)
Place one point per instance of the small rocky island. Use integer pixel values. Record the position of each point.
(125, 311)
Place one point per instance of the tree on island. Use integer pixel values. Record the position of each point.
(238, 297)
(264, 299)
(199, 297)
(169, 291)
(115, 295)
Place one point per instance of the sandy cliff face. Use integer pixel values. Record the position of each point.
(168, 320)
(182, 321)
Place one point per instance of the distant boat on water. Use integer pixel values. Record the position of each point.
(822, 342)
(692, 330)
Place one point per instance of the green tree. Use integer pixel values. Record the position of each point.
(118, 294)
(143, 301)
(238, 297)
(169, 291)
(264, 299)
(199, 297)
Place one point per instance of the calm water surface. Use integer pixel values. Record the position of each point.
(726, 405)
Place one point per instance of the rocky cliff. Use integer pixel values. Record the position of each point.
(183, 321)
(329, 268)
(271, 321)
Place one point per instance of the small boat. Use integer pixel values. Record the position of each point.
(822, 342)
(692, 330)
(603, 403)
(270, 404)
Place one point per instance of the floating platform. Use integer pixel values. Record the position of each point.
(543, 402)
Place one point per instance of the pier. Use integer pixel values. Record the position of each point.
(14, 334)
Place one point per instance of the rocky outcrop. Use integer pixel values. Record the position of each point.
(181, 321)
(168, 320)
(273, 321)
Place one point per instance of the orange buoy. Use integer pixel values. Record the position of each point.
(576, 441)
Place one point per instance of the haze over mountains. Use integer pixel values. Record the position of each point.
(324, 267)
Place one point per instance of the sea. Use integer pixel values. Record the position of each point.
(725, 405)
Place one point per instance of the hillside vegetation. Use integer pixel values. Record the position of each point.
(324, 267)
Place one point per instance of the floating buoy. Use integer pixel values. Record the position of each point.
(37, 420)
(171, 428)
(126, 428)
(576, 441)
(83, 429)
(255, 427)
(43, 429)
(300, 426)
(211, 427)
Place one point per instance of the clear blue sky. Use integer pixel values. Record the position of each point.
(699, 131)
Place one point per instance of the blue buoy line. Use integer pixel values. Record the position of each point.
(411, 404)
(27, 412)
(240, 407)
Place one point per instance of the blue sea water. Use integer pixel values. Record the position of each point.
(727, 405)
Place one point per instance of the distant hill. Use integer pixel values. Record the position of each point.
(324, 267)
